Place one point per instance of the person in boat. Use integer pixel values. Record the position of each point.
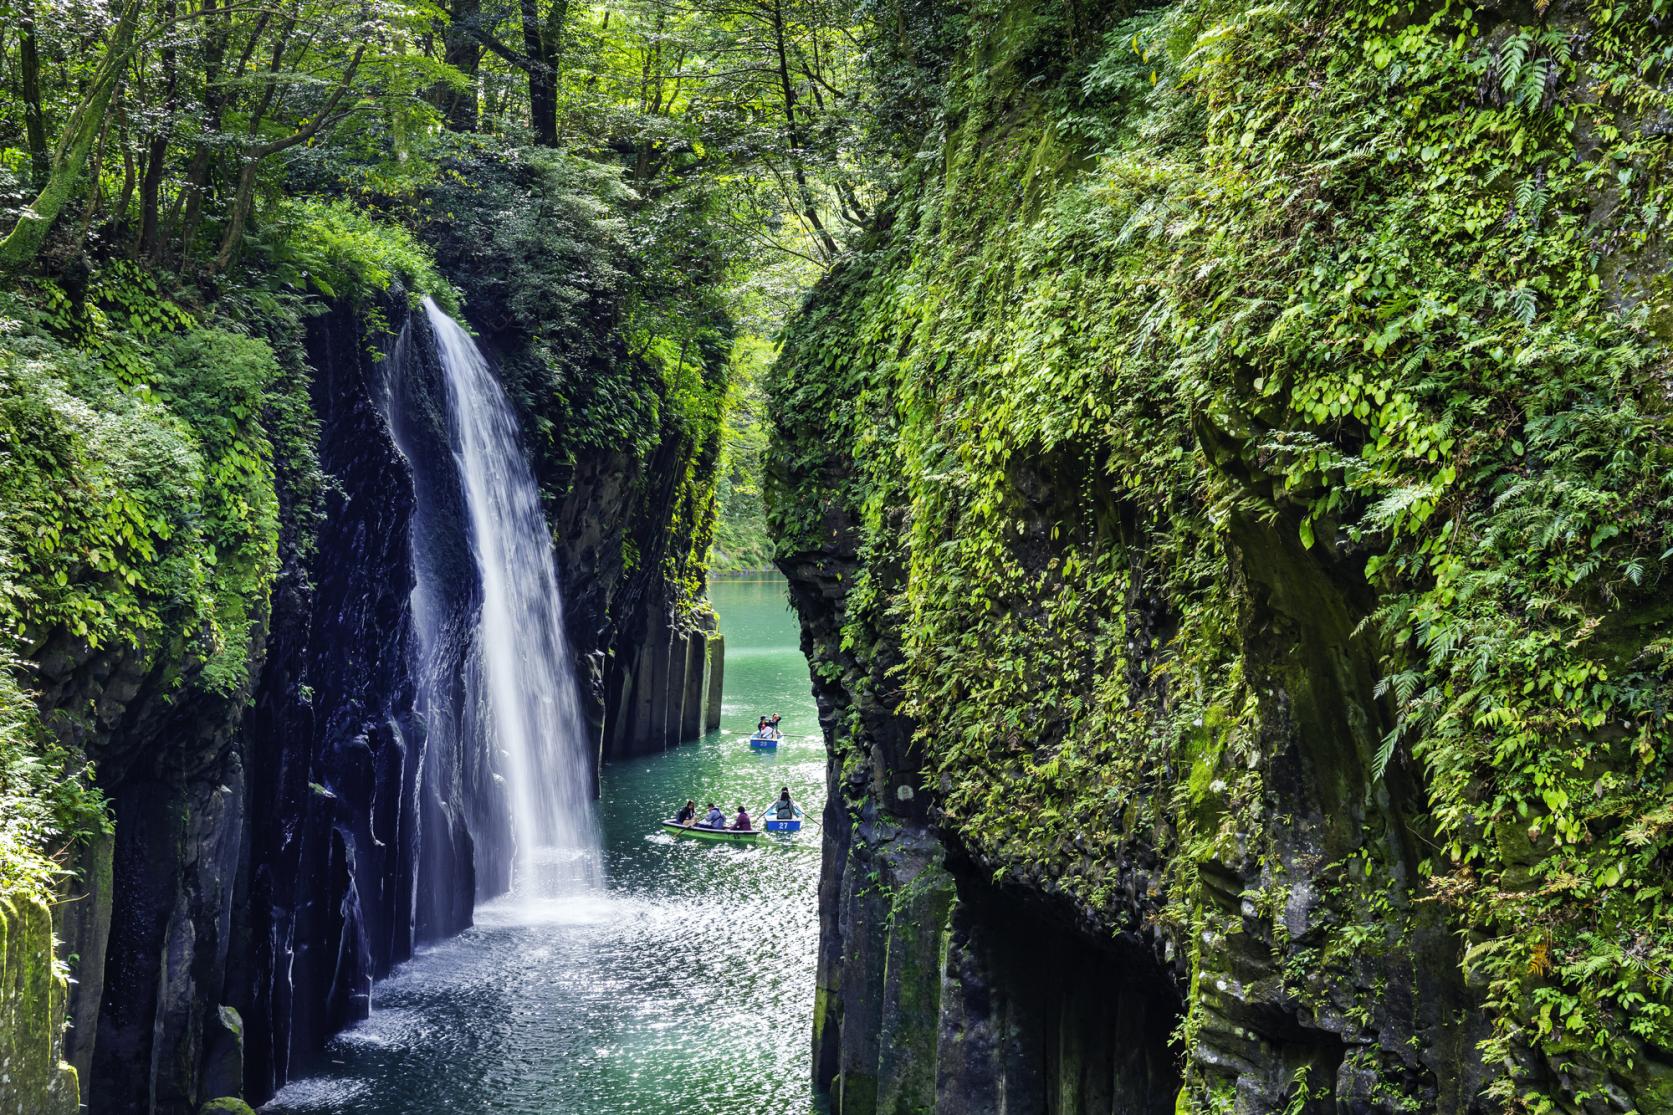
(784, 809)
(761, 727)
(773, 724)
(714, 819)
(742, 824)
(687, 813)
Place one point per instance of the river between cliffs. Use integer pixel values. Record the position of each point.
(685, 984)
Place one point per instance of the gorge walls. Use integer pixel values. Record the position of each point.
(228, 630)
(380, 817)
(1231, 696)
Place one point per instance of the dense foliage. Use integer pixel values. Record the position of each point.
(1218, 294)
(45, 803)
(145, 449)
(743, 540)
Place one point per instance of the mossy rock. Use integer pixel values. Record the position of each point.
(226, 1105)
(32, 998)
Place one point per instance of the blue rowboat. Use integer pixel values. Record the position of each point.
(763, 743)
(793, 825)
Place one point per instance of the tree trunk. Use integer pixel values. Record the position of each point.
(244, 200)
(191, 200)
(34, 121)
(189, 206)
(151, 187)
(810, 209)
(462, 51)
(543, 86)
(69, 159)
(95, 197)
(130, 175)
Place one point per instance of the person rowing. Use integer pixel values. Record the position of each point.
(784, 809)
(687, 813)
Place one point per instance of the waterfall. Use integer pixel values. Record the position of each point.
(506, 736)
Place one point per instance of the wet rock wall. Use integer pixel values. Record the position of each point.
(335, 743)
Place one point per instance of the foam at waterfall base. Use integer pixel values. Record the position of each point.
(578, 908)
(556, 874)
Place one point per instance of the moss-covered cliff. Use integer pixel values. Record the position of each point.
(160, 484)
(1228, 504)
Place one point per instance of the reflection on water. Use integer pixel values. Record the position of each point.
(687, 983)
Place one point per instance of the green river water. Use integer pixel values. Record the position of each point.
(686, 985)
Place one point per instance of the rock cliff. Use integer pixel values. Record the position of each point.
(35, 1079)
(251, 705)
(1193, 496)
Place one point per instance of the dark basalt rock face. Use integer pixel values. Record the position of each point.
(377, 821)
(338, 832)
(380, 821)
(156, 905)
(460, 818)
(938, 991)
(261, 872)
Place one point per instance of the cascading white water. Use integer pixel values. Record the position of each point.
(529, 702)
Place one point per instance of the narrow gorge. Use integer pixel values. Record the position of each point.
(367, 765)
(1215, 457)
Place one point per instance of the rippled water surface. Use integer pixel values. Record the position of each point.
(686, 984)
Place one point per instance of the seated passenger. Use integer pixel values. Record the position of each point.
(714, 819)
(742, 823)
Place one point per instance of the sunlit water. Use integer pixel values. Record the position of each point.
(686, 984)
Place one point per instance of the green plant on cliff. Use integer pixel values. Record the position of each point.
(1369, 286)
(46, 801)
(141, 451)
(345, 251)
(139, 500)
